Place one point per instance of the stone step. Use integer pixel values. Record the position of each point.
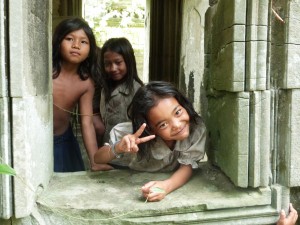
(114, 197)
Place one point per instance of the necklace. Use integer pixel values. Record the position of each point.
(74, 113)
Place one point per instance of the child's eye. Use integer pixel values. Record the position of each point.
(84, 42)
(162, 125)
(68, 38)
(119, 62)
(178, 112)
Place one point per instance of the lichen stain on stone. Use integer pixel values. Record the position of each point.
(191, 87)
(282, 166)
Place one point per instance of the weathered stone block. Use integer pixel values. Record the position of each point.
(280, 197)
(229, 13)
(30, 45)
(225, 37)
(3, 76)
(293, 22)
(277, 65)
(228, 126)
(285, 48)
(114, 197)
(285, 64)
(256, 65)
(208, 30)
(5, 222)
(228, 56)
(6, 209)
(32, 143)
(257, 12)
(260, 139)
(292, 75)
(225, 24)
(228, 68)
(256, 33)
(225, 48)
(256, 45)
(192, 54)
(288, 137)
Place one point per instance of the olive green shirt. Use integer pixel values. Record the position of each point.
(115, 110)
(162, 159)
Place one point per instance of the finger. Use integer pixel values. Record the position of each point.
(124, 144)
(148, 185)
(145, 194)
(293, 215)
(292, 208)
(135, 148)
(282, 215)
(145, 139)
(131, 143)
(140, 130)
(154, 197)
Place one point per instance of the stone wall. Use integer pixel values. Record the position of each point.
(26, 80)
(192, 53)
(252, 83)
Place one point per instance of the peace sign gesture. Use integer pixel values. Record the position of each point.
(129, 143)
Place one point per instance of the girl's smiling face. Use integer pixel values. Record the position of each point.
(114, 65)
(169, 120)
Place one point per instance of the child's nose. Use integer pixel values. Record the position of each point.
(113, 67)
(176, 125)
(76, 45)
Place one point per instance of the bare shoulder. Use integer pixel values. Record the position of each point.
(83, 83)
(86, 87)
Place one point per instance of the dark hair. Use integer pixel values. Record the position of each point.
(123, 47)
(96, 68)
(147, 97)
(87, 67)
(98, 82)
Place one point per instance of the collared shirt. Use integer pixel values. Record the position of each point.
(115, 110)
(188, 151)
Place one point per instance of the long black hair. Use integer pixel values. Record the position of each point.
(123, 47)
(87, 67)
(149, 96)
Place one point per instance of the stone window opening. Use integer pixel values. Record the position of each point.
(29, 35)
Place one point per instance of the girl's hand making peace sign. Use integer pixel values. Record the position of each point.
(129, 143)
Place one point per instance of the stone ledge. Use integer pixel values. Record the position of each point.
(114, 197)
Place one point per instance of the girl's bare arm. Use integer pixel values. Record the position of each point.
(88, 131)
(128, 144)
(178, 179)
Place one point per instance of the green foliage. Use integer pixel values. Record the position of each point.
(6, 169)
(126, 13)
(115, 18)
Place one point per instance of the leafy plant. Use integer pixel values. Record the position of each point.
(98, 15)
(113, 18)
(6, 169)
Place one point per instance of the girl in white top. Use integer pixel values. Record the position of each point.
(166, 134)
